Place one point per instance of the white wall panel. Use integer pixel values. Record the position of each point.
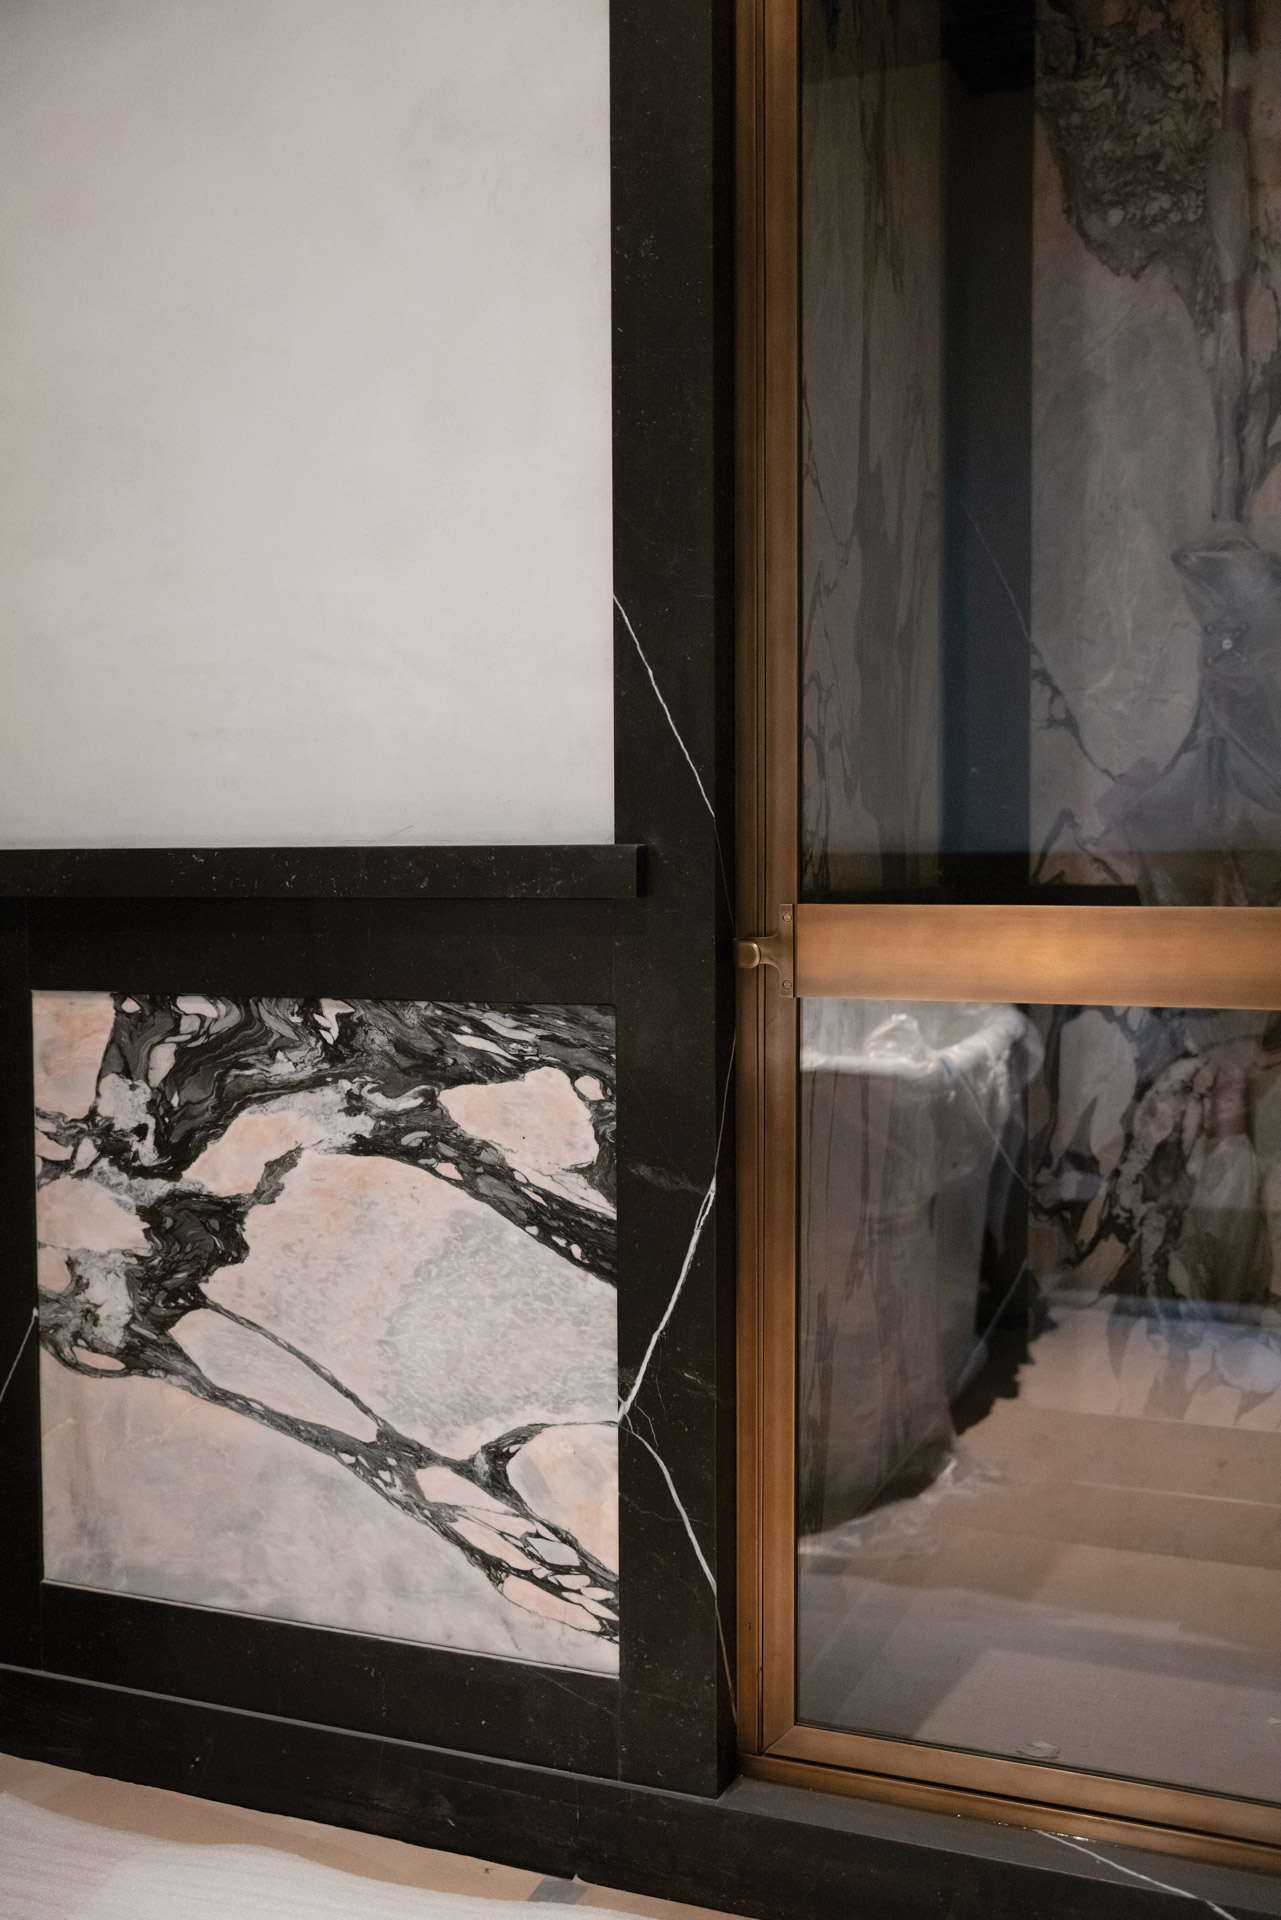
(304, 422)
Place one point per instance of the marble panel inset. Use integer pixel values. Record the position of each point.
(327, 1313)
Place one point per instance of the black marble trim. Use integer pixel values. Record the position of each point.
(479, 950)
(324, 873)
(659, 954)
(548, 1716)
(500, 951)
(20, 1497)
(772, 1853)
(672, 208)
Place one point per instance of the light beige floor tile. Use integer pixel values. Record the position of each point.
(164, 1815)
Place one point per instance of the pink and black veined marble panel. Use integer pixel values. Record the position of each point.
(327, 1313)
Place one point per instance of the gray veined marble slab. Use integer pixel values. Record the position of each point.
(1156, 512)
(1155, 1163)
(327, 1313)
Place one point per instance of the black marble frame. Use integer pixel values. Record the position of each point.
(322, 873)
(559, 925)
(483, 950)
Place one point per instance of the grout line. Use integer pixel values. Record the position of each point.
(1162, 1886)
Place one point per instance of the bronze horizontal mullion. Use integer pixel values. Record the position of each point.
(1073, 956)
(1035, 1783)
(847, 1776)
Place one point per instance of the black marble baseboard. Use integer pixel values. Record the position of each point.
(775, 1853)
(323, 873)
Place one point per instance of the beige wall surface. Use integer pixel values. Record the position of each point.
(304, 422)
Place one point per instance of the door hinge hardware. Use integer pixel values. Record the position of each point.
(775, 950)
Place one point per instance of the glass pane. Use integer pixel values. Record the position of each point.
(1039, 1389)
(1041, 432)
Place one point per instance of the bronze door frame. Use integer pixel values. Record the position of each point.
(1197, 956)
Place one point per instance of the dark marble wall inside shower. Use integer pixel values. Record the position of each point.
(871, 527)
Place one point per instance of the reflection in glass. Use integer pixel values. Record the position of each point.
(1039, 1391)
(1156, 590)
(1041, 449)
(871, 422)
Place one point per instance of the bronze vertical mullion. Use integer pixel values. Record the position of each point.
(781, 199)
(768, 372)
(751, 843)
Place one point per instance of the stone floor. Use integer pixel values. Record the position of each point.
(120, 1807)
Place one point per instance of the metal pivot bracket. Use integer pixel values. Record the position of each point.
(777, 950)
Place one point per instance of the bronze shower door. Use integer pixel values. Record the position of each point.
(1009, 390)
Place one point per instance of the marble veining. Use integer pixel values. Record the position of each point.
(327, 1312)
(1156, 591)
(1155, 1157)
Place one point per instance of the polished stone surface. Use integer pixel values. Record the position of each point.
(326, 1306)
(75, 1831)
